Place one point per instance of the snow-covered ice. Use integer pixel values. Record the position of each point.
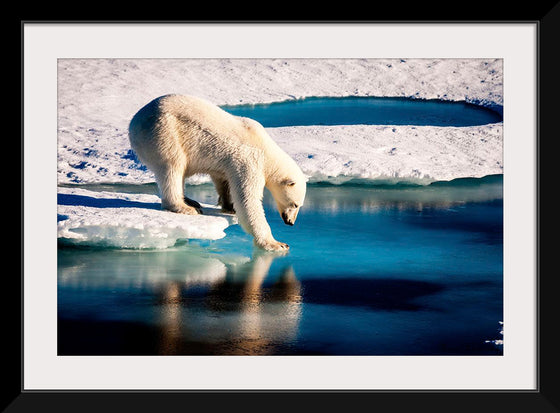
(131, 220)
(98, 97)
(414, 154)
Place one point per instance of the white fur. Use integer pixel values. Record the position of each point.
(178, 136)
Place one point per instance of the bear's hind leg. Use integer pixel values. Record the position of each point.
(171, 182)
(224, 196)
(194, 204)
(188, 201)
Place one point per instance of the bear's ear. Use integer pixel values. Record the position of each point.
(288, 182)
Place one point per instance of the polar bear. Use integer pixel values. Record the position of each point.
(176, 136)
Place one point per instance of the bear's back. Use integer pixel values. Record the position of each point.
(198, 126)
(196, 111)
(237, 130)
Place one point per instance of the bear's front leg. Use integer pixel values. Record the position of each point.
(253, 220)
(247, 193)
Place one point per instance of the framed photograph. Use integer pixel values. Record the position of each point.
(272, 208)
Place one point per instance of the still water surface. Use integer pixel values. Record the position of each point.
(367, 111)
(371, 271)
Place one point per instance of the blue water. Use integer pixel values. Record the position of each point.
(368, 111)
(372, 270)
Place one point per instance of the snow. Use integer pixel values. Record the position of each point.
(98, 97)
(498, 342)
(113, 219)
(415, 154)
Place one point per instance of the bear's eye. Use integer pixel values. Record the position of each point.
(295, 205)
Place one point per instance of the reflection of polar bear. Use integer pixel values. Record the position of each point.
(178, 136)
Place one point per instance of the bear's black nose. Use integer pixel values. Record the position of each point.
(286, 219)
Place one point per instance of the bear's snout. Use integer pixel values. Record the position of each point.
(287, 219)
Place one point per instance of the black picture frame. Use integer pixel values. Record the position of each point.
(546, 398)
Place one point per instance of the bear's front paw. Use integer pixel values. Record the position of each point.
(274, 246)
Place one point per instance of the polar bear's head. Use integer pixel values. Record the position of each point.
(289, 194)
